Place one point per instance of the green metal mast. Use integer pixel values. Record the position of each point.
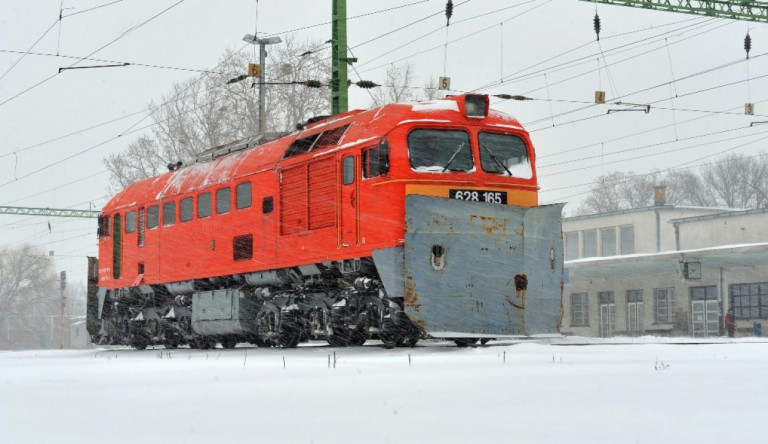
(55, 212)
(738, 10)
(339, 82)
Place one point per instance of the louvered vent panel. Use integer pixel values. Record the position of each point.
(293, 200)
(322, 194)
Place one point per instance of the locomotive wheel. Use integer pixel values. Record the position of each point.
(339, 338)
(289, 338)
(485, 341)
(357, 338)
(389, 340)
(139, 342)
(229, 342)
(258, 342)
(465, 342)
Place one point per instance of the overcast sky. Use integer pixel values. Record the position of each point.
(488, 40)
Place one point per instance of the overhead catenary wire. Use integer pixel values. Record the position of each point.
(19, 94)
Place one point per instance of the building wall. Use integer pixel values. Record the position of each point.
(644, 224)
(734, 230)
(622, 273)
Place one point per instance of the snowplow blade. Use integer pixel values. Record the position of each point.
(482, 269)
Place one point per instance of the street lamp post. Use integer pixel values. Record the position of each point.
(262, 60)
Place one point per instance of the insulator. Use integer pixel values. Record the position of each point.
(747, 44)
(511, 97)
(313, 84)
(448, 12)
(366, 84)
(597, 26)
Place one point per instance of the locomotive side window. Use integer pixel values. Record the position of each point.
(130, 222)
(153, 216)
(169, 213)
(242, 247)
(374, 161)
(437, 151)
(243, 195)
(504, 154)
(185, 211)
(348, 170)
(223, 200)
(267, 205)
(117, 244)
(204, 205)
(104, 226)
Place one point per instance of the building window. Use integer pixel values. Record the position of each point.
(664, 299)
(204, 205)
(243, 195)
(223, 200)
(186, 209)
(571, 245)
(153, 216)
(635, 310)
(590, 242)
(627, 235)
(749, 301)
(608, 244)
(169, 213)
(130, 222)
(579, 309)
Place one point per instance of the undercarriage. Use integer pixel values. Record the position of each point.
(343, 303)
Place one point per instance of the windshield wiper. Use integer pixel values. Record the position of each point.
(495, 159)
(450, 161)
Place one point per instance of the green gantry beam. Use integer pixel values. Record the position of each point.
(739, 10)
(54, 212)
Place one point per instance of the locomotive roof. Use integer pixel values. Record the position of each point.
(364, 126)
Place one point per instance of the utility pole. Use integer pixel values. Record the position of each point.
(63, 307)
(339, 79)
(252, 39)
(750, 10)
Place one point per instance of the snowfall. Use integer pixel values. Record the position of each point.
(546, 390)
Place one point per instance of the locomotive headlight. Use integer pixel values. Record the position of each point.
(476, 106)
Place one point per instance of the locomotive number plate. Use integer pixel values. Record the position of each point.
(497, 197)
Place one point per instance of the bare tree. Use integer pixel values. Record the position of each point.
(28, 298)
(733, 181)
(206, 112)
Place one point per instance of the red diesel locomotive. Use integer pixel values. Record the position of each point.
(397, 223)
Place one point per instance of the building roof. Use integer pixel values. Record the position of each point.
(730, 213)
(649, 208)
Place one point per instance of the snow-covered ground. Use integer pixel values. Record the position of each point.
(646, 390)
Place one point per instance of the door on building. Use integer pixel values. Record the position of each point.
(705, 311)
(607, 313)
(635, 311)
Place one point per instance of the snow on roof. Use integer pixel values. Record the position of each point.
(662, 254)
(435, 105)
(726, 213)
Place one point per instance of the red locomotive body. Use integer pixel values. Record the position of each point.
(293, 226)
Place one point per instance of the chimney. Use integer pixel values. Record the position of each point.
(659, 195)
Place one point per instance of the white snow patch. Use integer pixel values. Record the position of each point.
(423, 121)
(346, 145)
(501, 125)
(556, 393)
(435, 105)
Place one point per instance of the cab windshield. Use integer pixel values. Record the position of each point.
(504, 154)
(440, 151)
